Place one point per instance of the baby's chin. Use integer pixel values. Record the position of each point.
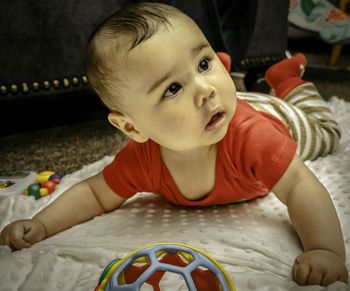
(222, 133)
(219, 134)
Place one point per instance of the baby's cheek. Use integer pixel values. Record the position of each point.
(178, 123)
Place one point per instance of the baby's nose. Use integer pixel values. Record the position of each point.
(204, 92)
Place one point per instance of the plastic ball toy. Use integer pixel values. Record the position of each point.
(46, 182)
(150, 263)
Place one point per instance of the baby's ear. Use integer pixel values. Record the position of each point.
(126, 125)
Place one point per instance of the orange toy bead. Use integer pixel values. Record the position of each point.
(49, 185)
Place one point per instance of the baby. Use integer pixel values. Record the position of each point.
(196, 141)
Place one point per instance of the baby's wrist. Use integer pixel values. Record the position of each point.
(42, 225)
(329, 251)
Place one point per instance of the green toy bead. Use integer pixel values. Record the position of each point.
(34, 190)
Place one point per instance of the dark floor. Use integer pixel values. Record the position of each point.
(78, 133)
(63, 141)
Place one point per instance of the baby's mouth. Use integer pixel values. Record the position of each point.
(216, 121)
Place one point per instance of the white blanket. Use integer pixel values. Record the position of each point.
(254, 241)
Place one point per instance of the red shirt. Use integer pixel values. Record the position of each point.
(252, 157)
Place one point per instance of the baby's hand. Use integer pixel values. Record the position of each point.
(22, 234)
(319, 267)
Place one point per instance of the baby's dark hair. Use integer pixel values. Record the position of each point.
(120, 33)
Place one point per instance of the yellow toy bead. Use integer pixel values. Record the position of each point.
(44, 176)
(44, 192)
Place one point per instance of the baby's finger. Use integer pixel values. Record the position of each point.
(31, 236)
(315, 277)
(328, 279)
(16, 238)
(301, 273)
(2, 241)
(5, 239)
(344, 276)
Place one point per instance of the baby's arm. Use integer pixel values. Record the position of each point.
(79, 203)
(315, 219)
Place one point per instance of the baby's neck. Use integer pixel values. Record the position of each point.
(193, 172)
(188, 157)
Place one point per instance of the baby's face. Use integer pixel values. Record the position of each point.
(177, 91)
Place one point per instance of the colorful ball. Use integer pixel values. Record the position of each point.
(46, 184)
(150, 263)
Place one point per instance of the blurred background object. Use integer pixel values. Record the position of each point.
(323, 19)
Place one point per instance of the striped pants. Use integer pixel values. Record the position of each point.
(307, 115)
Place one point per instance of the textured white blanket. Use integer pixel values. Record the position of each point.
(254, 241)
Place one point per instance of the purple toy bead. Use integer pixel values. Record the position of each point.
(56, 178)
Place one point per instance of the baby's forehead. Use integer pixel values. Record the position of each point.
(122, 58)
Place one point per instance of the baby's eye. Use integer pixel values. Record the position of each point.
(172, 90)
(203, 65)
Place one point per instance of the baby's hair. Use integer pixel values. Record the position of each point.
(120, 33)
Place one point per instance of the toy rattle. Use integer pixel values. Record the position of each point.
(150, 263)
(46, 182)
